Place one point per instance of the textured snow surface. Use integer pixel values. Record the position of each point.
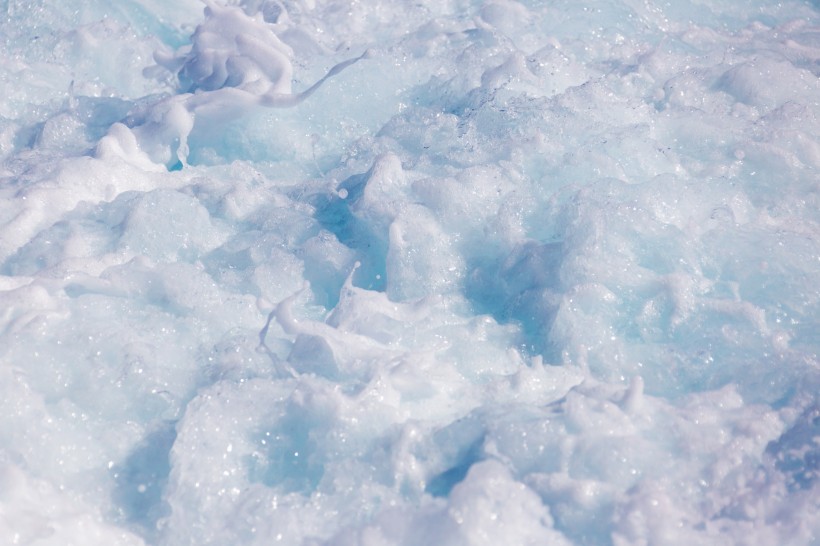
(409, 273)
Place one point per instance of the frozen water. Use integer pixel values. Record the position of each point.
(461, 272)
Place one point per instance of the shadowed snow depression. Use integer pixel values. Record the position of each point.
(450, 272)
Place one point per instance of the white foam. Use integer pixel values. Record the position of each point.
(525, 274)
(44, 515)
(235, 62)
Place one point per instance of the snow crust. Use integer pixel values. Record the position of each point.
(368, 273)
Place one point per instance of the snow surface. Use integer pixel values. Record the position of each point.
(430, 272)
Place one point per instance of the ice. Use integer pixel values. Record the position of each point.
(464, 272)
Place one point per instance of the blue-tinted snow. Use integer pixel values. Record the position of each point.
(512, 273)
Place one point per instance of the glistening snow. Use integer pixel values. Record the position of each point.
(536, 272)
